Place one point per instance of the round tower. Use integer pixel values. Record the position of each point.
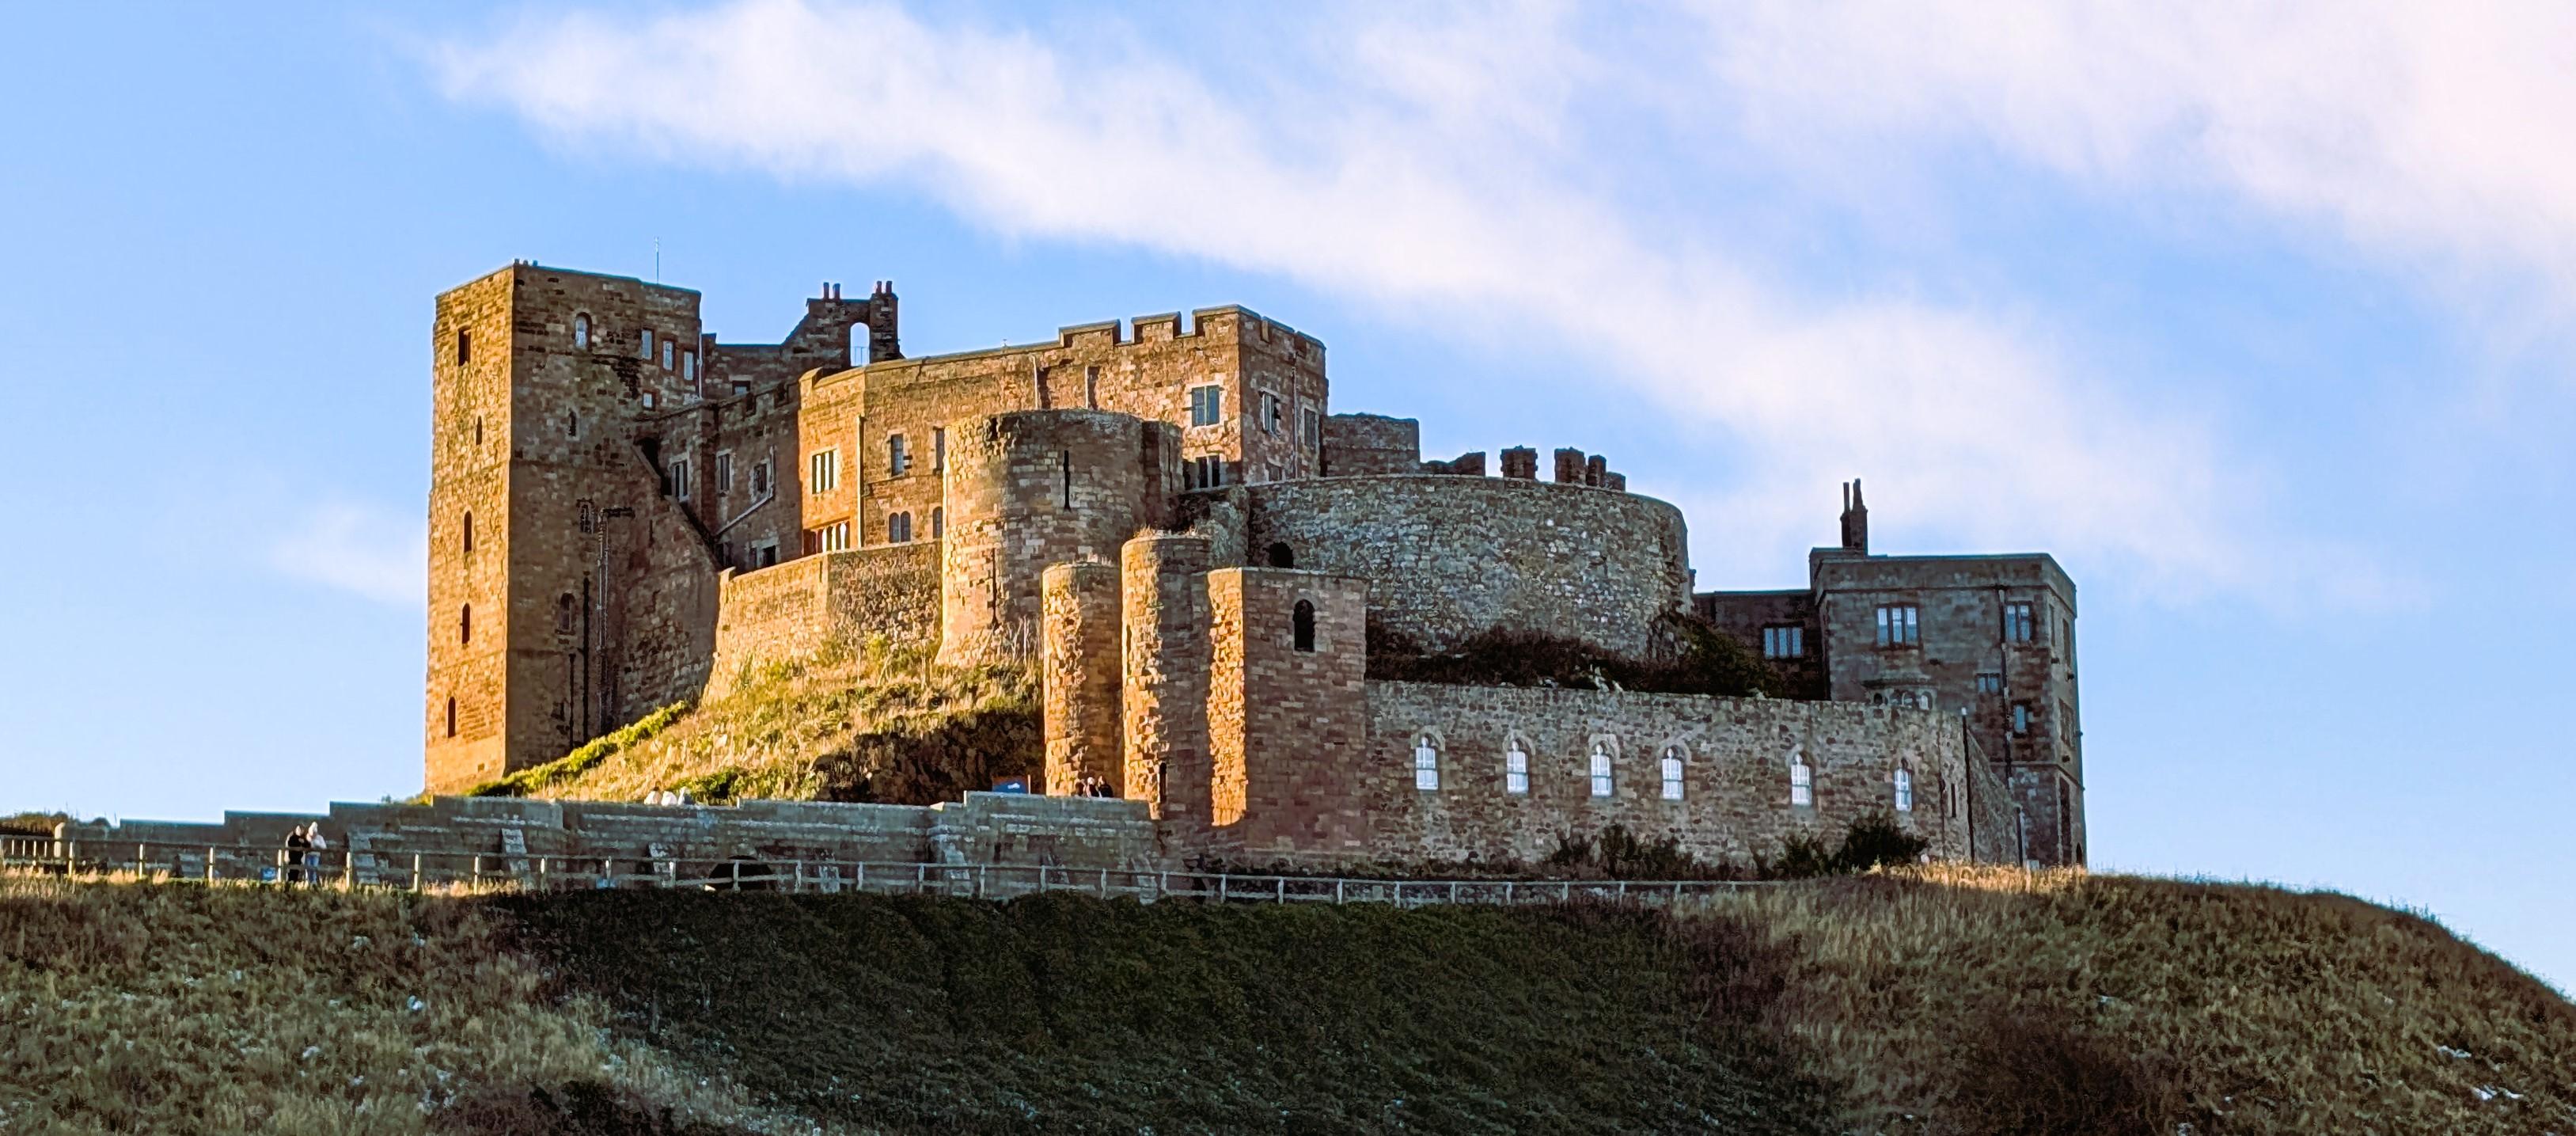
(1025, 490)
(1079, 673)
(1164, 679)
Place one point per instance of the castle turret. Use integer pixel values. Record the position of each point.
(1079, 634)
(1164, 685)
(1025, 490)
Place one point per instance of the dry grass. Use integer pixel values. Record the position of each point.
(130, 1007)
(855, 723)
(1997, 1000)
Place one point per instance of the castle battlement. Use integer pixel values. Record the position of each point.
(1167, 520)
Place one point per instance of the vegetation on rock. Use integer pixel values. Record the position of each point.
(1696, 658)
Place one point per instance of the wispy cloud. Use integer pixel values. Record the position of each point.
(1452, 161)
(359, 549)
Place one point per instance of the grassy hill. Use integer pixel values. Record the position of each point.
(1945, 1002)
(854, 723)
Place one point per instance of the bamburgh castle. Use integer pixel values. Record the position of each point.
(1170, 521)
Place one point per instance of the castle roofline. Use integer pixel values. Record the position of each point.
(530, 265)
(1118, 331)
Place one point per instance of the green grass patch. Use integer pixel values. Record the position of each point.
(580, 761)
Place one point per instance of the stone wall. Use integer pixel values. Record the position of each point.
(1452, 557)
(794, 610)
(1746, 615)
(1736, 756)
(1163, 606)
(1079, 672)
(1359, 445)
(1287, 718)
(450, 832)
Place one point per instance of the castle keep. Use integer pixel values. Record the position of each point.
(1169, 521)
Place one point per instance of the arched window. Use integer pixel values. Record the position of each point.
(563, 613)
(1600, 769)
(1305, 621)
(1904, 790)
(1672, 770)
(465, 624)
(1281, 557)
(1802, 784)
(899, 528)
(1426, 764)
(581, 332)
(938, 522)
(469, 530)
(451, 717)
(1516, 768)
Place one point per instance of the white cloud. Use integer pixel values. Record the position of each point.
(2435, 132)
(359, 549)
(1461, 163)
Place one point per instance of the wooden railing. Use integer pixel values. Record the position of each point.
(423, 870)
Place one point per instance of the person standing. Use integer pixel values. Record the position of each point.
(291, 872)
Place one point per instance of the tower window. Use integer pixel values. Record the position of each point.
(1899, 625)
(1270, 412)
(1600, 769)
(1207, 405)
(760, 478)
(1904, 790)
(1204, 472)
(898, 456)
(2017, 623)
(1304, 621)
(1516, 769)
(1426, 765)
(563, 613)
(1672, 771)
(1802, 781)
(938, 522)
(822, 471)
(939, 449)
(666, 354)
(478, 430)
(464, 348)
(679, 478)
(572, 424)
(899, 528)
(1991, 682)
(1314, 429)
(2021, 717)
(724, 471)
(465, 624)
(1784, 642)
(451, 717)
(1091, 387)
(469, 530)
(689, 369)
(646, 351)
(1281, 556)
(581, 332)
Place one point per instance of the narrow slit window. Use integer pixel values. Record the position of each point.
(464, 348)
(938, 522)
(1426, 765)
(1304, 625)
(645, 352)
(581, 332)
(451, 717)
(898, 456)
(1064, 460)
(1904, 790)
(465, 624)
(469, 530)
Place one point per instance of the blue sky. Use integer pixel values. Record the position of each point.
(2260, 322)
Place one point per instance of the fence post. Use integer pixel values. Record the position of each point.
(1337, 891)
(1453, 891)
(1220, 887)
(415, 871)
(1104, 883)
(1623, 891)
(1677, 895)
(799, 886)
(1283, 891)
(210, 864)
(920, 878)
(1568, 895)
(862, 879)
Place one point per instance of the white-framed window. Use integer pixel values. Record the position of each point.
(939, 448)
(823, 471)
(666, 354)
(834, 537)
(679, 478)
(899, 528)
(1904, 790)
(938, 522)
(1899, 625)
(1271, 412)
(1207, 471)
(724, 472)
(1600, 769)
(689, 369)
(1516, 769)
(644, 350)
(581, 332)
(1672, 771)
(1802, 780)
(1426, 765)
(1991, 682)
(898, 456)
(760, 478)
(1788, 641)
(1207, 405)
(2018, 625)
